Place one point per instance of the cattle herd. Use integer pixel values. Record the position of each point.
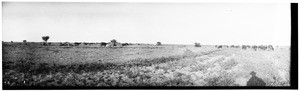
(110, 44)
(118, 44)
(254, 47)
(102, 44)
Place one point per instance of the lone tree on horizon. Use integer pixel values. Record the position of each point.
(24, 41)
(158, 43)
(45, 38)
(197, 44)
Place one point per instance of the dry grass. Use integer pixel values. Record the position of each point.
(142, 66)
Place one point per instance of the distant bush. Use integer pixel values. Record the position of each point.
(158, 43)
(197, 44)
(24, 41)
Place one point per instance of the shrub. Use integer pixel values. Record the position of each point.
(197, 44)
(158, 43)
(24, 41)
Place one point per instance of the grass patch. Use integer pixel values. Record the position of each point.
(228, 64)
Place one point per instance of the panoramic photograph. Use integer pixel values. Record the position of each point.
(136, 44)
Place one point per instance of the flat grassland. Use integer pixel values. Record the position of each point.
(141, 65)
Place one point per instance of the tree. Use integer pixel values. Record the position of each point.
(158, 43)
(45, 38)
(197, 44)
(24, 41)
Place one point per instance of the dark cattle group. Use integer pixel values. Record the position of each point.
(254, 47)
(46, 43)
(263, 47)
(219, 47)
(232, 46)
(125, 44)
(102, 44)
(85, 43)
(77, 43)
(226, 46)
(65, 44)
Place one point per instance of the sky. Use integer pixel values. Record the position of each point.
(148, 22)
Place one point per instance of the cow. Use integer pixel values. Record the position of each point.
(44, 43)
(226, 46)
(265, 47)
(248, 46)
(24, 41)
(62, 44)
(77, 43)
(125, 44)
(254, 47)
(271, 47)
(85, 43)
(88, 43)
(262, 47)
(232, 46)
(103, 44)
(65, 44)
(109, 45)
(219, 47)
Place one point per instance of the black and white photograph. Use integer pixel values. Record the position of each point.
(145, 44)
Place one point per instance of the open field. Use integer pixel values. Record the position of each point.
(141, 65)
